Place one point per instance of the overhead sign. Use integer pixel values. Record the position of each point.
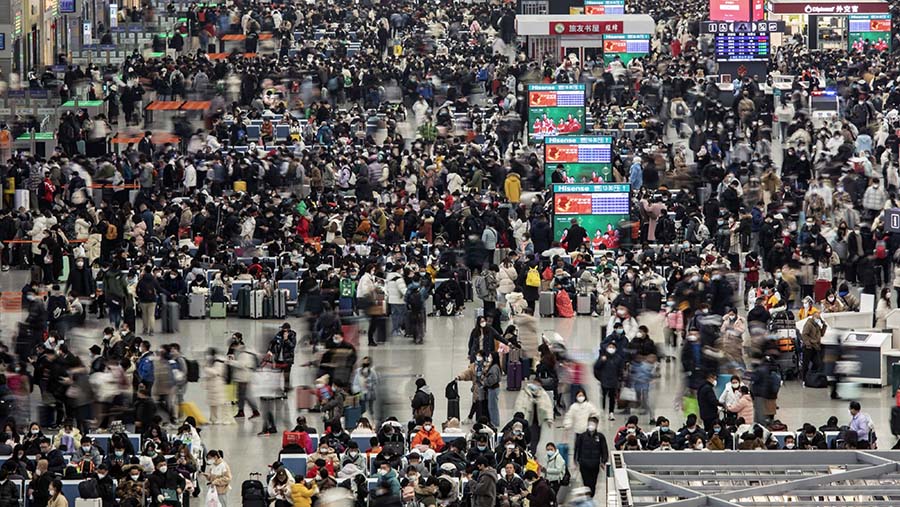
(892, 220)
(715, 27)
(598, 207)
(742, 47)
(729, 10)
(844, 8)
(585, 159)
(585, 27)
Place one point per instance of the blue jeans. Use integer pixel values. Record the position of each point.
(494, 406)
(115, 314)
(398, 317)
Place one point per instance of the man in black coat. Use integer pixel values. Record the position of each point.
(105, 486)
(163, 481)
(708, 402)
(591, 453)
(576, 236)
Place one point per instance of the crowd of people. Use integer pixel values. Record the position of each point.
(404, 164)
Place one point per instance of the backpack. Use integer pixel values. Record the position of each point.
(533, 278)
(88, 489)
(665, 230)
(680, 109)
(193, 370)
(112, 232)
(413, 299)
(145, 290)
(481, 289)
(881, 250)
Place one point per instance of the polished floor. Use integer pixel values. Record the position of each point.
(438, 360)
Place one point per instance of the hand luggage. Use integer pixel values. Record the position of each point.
(244, 302)
(279, 303)
(240, 186)
(171, 316)
(514, 376)
(253, 493)
(217, 310)
(895, 421)
(351, 416)
(583, 304)
(193, 370)
(197, 306)
(306, 398)
(190, 409)
(815, 380)
(267, 307)
(547, 304)
(257, 301)
(345, 305)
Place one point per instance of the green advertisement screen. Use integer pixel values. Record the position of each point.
(585, 159)
(555, 110)
(871, 29)
(596, 206)
(625, 46)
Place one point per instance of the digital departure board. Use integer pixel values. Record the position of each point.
(742, 47)
(596, 206)
(585, 159)
(625, 46)
(555, 110)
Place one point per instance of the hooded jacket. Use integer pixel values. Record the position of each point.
(532, 398)
(484, 493)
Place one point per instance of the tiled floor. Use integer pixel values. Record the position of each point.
(438, 360)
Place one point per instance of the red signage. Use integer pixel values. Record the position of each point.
(585, 27)
(729, 10)
(830, 8)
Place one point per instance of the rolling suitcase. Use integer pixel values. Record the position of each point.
(547, 304)
(197, 306)
(583, 304)
(257, 302)
(514, 376)
(306, 398)
(170, 317)
(451, 392)
(345, 305)
(279, 303)
(253, 492)
(190, 409)
(268, 305)
(244, 302)
(217, 310)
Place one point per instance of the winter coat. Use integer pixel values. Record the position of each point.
(506, 279)
(283, 347)
(812, 334)
(532, 398)
(576, 418)
(512, 187)
(743, 407)
(395, 289)
(81, 282)
(556, 467)
(214, 376)
(484, 492)
(591, 449)
(608, 369)
(301, 495)
(220, 476)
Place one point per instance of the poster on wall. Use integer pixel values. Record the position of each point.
(555, 110)
(625, 46)
(872, 30)
(598, 207)
(585, 159)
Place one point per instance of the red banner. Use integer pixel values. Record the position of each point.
(585, 27)
(572, 204)
(561, 153)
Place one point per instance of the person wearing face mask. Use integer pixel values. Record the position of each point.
(730, 396)
(218, 475)
(214, 377)
(427, 430)
(87, 455)
(365, 384)
(810, 438)
(131, 489)
(576, 418)
(608, 370)
(662, 433)
(479, 449)
(708, 401)
(81, 280)
(483, 339)
(591, 453)
(354, 457)
(164, 484)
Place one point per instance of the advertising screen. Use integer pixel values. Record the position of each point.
(625, 46)
(742, 47)
(604, 6)
(555, 110)
(596, 206)
(729, 10)
(871, 29)
(585, 159)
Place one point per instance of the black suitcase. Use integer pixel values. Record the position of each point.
(171, 316)
(193, 370)
(816, 380)
(253, 493)
(451, 392)
(895, 421)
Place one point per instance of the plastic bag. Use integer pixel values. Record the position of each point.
(212, 498)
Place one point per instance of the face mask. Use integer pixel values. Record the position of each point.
(163, 469)
(735, 386)
(35, 432)
(717, 430)
(704, 311)
(621, 313)
(620, 331)
(592, 427)
(482, 447)
(788, 446)
(323, 450)
(482, 324)
(713, 383)
(337, 341)
(86, 449)
(831, 299)
(382, 471)
(698, 447)
(580, 399)
(353, 454)
(427, 427)
(135, 477)
(664, 428)
(478, 359)
(52, 493)
(412, 477)
(610, 350)
(101, 476)
(778, 276)
(670, 304)
(119, 454)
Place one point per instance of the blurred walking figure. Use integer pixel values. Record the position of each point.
(243, 364)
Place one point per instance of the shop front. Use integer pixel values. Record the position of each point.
(831, 24)
(580, 36)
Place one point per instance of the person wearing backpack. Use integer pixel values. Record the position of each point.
(530, 281)
(148, 291)
(678, 111)
(415, 309)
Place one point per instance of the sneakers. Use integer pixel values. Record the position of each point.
(255, 415)
(267, 432)
(612, 417)
(595, 314)
(239, 415)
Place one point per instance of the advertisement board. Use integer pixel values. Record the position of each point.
(871, 29)
(555, 110)
(585, 159)
(600, 7)
(625, 46)
(596, 206)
